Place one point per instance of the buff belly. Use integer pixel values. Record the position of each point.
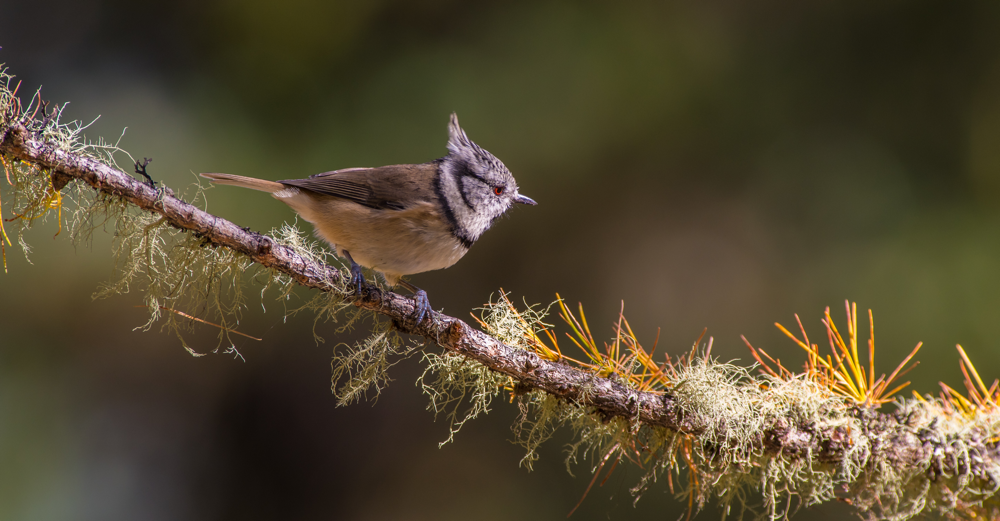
(393, 242)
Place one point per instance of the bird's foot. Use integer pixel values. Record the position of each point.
(421, 306)
(357, 279)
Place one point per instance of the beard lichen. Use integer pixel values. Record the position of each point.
(184, 279)
(725, 455)
(931, 454)
(458, 388)
(365, 366)
(326, 306)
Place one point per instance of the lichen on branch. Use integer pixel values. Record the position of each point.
(761, 444)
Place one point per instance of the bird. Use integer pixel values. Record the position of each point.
(400, 220)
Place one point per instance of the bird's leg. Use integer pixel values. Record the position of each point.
(422, 305)
(357, 277)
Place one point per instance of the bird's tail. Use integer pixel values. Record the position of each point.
(246, 182)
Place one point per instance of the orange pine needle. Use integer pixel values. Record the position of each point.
(594, 479)
(972, 368)
(196, 319)
(871, 350)
(843, 371)
(900, 367)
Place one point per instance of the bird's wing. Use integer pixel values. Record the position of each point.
(395, 187)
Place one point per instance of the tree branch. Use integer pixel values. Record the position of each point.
(900, 439)
(610, 398)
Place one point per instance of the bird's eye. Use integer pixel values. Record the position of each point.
(498, 190)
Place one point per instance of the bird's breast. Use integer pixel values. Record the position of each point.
(395, 242)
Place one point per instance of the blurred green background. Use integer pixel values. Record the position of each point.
(720, 165)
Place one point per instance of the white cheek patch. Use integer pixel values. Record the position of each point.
(471, 202)
(453, 193)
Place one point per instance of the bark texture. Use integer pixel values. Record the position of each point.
(893, 438)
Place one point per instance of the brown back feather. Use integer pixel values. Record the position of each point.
(395, 187)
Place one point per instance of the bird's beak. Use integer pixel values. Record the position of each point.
(524, 200)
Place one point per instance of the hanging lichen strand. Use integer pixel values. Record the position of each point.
(763, 444)
(734, 449)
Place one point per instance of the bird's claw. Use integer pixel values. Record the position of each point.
(357, 278)
(421, 306)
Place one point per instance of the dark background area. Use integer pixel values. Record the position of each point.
(720, 165)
